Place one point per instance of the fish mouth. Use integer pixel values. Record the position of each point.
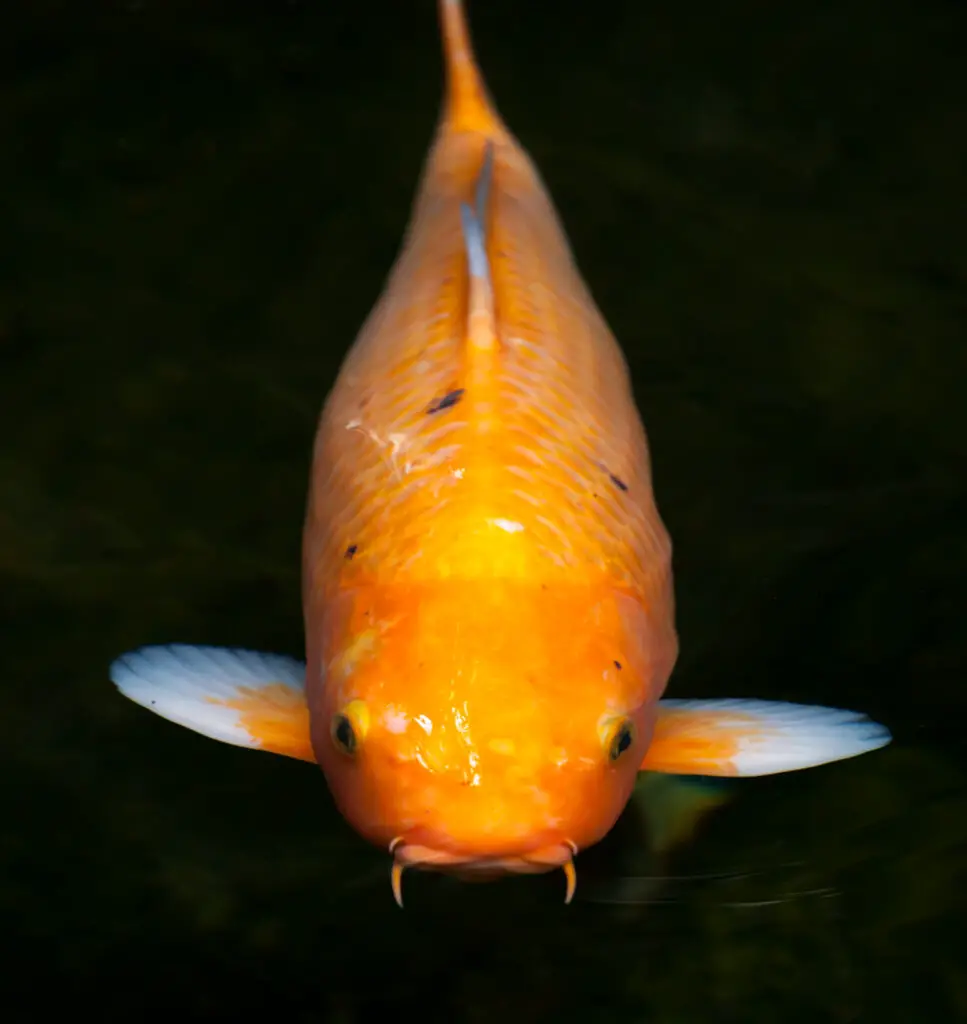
(481, 869)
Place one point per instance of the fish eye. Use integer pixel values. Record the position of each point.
(343, 734)
(622, 737)
(349, 726)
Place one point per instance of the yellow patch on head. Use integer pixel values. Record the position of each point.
(502, 746)
(362, 646)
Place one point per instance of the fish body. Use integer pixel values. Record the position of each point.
(487, 586)
(484, 565)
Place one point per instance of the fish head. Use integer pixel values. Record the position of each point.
(485, 727)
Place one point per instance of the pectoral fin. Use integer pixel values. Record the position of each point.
(755, 737)
(240, 697)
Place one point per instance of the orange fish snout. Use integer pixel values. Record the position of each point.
(481, 810)
(481, 831)
(471, 732)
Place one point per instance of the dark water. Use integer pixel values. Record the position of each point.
(199, 203)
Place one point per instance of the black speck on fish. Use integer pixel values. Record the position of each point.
(351, 550)
(448, 401)
(616, 480)
(617, 665)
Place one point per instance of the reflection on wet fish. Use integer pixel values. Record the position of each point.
(487, 585)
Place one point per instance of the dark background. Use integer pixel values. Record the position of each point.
(198, 205)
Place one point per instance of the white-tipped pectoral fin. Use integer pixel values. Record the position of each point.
(245, 698)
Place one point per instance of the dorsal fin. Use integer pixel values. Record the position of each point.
(468, 110)
(467, 106)
(481, 322)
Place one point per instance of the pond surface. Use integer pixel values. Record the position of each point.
(199, 206)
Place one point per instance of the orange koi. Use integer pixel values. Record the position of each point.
(487, 582)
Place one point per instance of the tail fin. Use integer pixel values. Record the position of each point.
(467, 106)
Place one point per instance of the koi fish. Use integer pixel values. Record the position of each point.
(487, 582)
